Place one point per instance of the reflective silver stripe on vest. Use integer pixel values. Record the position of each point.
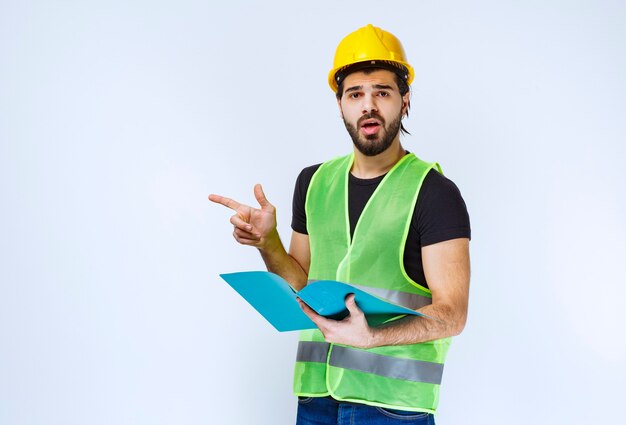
(312, 351)
(390, 367)
(405, 299)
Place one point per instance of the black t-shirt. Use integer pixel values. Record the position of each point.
(440, 213)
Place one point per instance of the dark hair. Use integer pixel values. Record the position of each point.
(403, 87)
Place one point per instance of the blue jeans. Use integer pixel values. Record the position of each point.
(326, 411)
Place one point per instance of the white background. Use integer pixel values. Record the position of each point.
(118, 118)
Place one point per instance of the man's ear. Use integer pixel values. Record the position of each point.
(339, 105)
(406, 102)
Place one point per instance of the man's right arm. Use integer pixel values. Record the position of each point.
(292, 266)
(257, 227)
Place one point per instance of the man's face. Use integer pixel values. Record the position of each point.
(372, 109)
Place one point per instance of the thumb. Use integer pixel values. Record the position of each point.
(351, 305)
(260, 197)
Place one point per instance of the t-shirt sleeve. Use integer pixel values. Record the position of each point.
(441, 213)
(298, 214)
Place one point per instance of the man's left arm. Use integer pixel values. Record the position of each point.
(447, 271)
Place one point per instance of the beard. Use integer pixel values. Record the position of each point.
(374, 144)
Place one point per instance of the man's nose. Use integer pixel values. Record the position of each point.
(369, 105)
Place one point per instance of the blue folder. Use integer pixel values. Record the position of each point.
(272, 296)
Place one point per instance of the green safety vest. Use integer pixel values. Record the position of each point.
(403, 377)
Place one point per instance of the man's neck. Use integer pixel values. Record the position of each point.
(368, 167)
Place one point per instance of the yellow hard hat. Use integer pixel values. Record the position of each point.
(370, 45)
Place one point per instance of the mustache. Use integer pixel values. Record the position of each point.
(368, 116)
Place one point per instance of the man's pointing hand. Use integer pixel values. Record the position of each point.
(253, 226)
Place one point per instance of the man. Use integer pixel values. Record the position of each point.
(381, 219)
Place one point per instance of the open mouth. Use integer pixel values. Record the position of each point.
(370, 126)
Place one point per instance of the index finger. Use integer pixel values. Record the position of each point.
(313, 315)
(227, 202)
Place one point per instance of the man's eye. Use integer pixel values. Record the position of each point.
(354, 95)
(383, 94)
